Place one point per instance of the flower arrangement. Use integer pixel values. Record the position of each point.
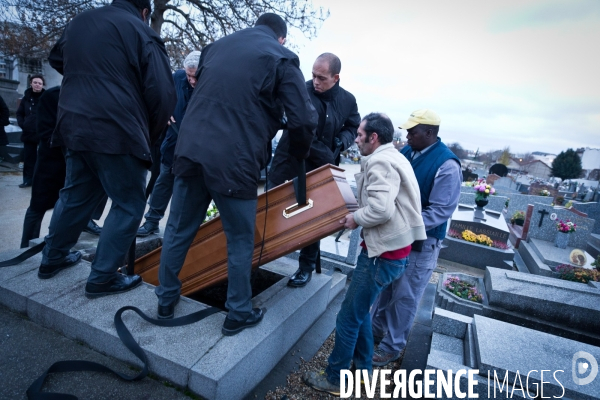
(596, 263)
(212, 212)
(479, 239)
(577, 274)
(483, 190)
(544, 192)
(462, 289)
(518, 216)
(566, 227)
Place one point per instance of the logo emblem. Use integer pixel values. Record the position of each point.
(581, 367)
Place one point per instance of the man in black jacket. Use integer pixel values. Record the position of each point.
(245, 81)
(116, 98)
(338, 122)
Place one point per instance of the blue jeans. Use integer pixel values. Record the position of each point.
(353, 335)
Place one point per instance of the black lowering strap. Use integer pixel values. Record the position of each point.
(24, 255)
(34, 392)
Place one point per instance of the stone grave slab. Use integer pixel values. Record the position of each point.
(479, 222)
(503, 347)
(568, 303)
(519, 202)
(552, 256)
(543, 225)
(593, 212)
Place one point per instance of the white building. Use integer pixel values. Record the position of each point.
(590, 163)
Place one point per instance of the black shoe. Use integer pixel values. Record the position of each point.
(300, 278)
(119, 284)
(167, 312)
(93, 228)
(232, 327)
(25, 184)
(48, 271)
(147, 229)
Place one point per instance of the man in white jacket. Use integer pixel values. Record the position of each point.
(390, 214)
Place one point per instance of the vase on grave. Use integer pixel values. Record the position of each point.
(481, 203)
(519, 221)
(561, 240)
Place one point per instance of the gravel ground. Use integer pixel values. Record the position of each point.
(296, 389)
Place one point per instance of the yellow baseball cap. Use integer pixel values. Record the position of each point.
(424, 116)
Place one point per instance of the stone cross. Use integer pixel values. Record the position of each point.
(543, 212)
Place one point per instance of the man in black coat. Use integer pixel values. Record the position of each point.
(116, 97)
(338, 121)
(245, 81)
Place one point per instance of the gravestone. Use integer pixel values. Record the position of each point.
(490, 179)
(504, 182)
(519, 202)
(535, 189)
(545, 218)
(478, 221)
(593, 212)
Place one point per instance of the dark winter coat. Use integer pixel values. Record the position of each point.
(117, 93)
(4, 121)
(245, 82)
(27, 114)
(184, 92)
(338, 118)
(50, 167)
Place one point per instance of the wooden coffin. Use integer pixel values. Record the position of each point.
(329, 199)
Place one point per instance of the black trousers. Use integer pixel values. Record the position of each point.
(33, 222)
(29, 159)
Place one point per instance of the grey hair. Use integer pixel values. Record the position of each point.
(192, 60)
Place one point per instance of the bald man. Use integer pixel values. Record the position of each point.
(338, 121)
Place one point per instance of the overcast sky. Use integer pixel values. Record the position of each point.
(523, 74)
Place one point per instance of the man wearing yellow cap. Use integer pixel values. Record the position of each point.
(438, 173)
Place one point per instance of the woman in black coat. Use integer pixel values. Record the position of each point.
(50, 170)
(26, 118)
(4, 120)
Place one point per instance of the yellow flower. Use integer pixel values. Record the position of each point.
(487, 191)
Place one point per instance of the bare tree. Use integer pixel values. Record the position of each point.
(30, 27)
(458, 150)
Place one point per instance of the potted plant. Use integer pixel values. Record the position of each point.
(562, 236)
(482, 191)
(544, 192)
(518, 218)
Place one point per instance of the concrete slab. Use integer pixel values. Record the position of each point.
(503, 347)
(532, 260)
(233, 364)
(197, 356)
